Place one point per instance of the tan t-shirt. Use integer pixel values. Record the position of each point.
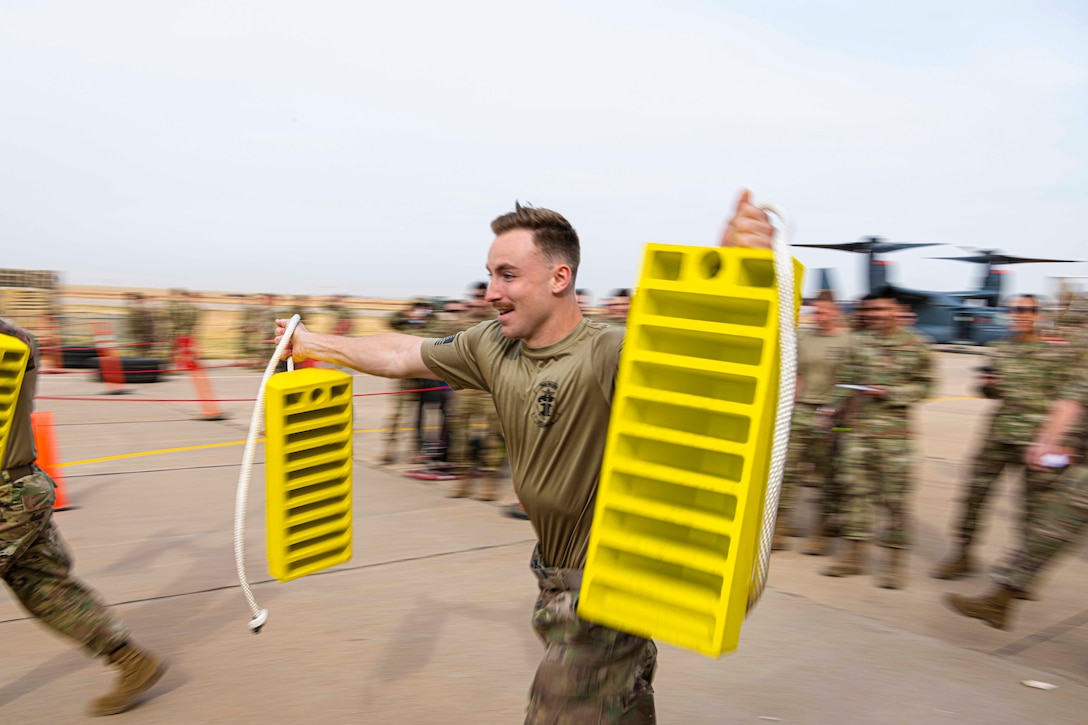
(553, 403)
(20, 449)
(819, 358)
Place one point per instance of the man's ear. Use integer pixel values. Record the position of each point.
(562, 279)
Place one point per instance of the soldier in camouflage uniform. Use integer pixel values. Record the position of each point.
(1025, 373)
(35, 564)
(474, 407)
(820, 355)
(413, 320)
(1061, 523)
(894, 368)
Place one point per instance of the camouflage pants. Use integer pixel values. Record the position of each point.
(403, 404)
(468, 407)
(811, 447)
(590, 674)
(994, 457)
(35, 564)
(876, 473)
(1062, 522)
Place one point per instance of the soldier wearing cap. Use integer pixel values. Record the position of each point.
(1025, 373)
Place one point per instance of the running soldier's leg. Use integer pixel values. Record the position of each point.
(589, 675)
(1040, 488)
(1063, 523)
(987, 465)
(35, 564)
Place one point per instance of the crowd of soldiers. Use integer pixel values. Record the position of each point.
(164, 330)
(168, 330)
(858, 380)
(852, 437)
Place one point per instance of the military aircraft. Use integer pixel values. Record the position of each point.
(970, 317)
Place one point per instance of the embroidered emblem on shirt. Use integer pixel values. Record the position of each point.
(544, 403)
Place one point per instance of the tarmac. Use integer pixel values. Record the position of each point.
(429, 622)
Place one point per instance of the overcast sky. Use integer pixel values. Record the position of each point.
(363, 148)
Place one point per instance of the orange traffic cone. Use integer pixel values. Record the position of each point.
(42, 423)
(190, 360)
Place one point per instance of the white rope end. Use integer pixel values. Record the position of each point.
(257, 622)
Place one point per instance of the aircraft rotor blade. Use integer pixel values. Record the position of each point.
(1000, 259)
(868, 246)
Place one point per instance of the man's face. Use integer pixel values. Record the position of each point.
(825, 314)
(522, 283)
(620, 307)
(883, 315)
(478, 301)
(1024, 313)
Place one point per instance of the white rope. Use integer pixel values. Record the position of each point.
(787, 346)
(260, 616)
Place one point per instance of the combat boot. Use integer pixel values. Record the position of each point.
(894, 575)
(851, 562)
(993, 609)
(957, 566)
(139, 671)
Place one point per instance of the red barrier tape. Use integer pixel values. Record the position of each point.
(221, 400)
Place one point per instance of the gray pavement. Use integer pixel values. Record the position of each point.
(429, 621)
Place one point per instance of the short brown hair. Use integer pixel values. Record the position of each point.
(553, 234)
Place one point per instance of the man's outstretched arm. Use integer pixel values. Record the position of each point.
(389, 355)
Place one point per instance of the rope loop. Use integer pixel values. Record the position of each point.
(260, 616)
(787, 348)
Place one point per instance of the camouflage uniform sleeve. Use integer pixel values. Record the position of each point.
(919, 376)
